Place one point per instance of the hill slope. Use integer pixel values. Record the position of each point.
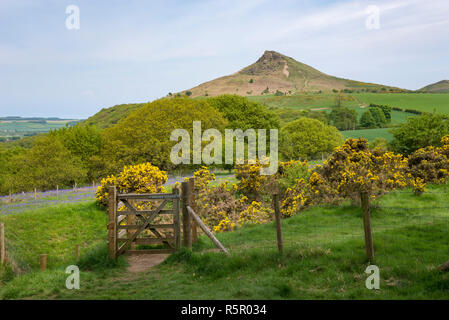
(438, 87)
(107, 117)
(276, 71)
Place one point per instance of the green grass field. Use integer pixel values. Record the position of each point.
(358, 101)
(27, 128)
(324, 257)
(427, 102)
(368, 134)
(301, 101)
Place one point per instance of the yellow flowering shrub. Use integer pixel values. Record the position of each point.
(295, 198)
(255, 213)
(353, 168)
(429, 164)
(220, 208)
(141, 178)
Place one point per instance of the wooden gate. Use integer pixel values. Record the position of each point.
(133, 226)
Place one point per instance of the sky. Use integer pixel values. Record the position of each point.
(137, 51)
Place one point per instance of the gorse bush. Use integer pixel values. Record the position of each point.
(429, 165)
(354, 168)
(220, 207)
(141, 178)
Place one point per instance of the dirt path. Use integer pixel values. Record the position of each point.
(143, 262)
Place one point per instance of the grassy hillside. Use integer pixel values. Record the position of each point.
(54, 230)
(107, 117)
(438, 87)
(324, 259)
(278, 72)
(426, 102)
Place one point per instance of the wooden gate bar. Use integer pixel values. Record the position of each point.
(146, 196)
(141, 228)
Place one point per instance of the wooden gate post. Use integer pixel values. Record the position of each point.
(277, 213)
(176, 221)
(112, 225)
(43, 262)
(186, 227)
(2, 244)
(364, 197)
(192, 204)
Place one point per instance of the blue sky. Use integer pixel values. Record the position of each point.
(137, 51)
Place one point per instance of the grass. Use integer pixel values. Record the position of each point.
(324, 259)
(54, 230)
(427, 102)
(369, 134)
(301, 101)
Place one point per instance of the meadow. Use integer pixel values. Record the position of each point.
(20, 128)
(425, 102)
(368, 134)
(324, 256)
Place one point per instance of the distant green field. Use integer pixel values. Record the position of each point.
(27, 128)
(368, 134)
(302, 101)
(418, 101)
(427, 102)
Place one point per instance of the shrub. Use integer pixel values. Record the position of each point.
(343, 118)
(354, 168)
(429, 165)
(141, 178)
(308, 139)
(419, 132)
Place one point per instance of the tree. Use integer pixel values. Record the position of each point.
(47, 164)
(243, 113)
(343, 118)
(188, 93)
(308, 139)
(144, 136)
(419, 132)
(338, 100)
(367, 120)
(83, 141)
(385, 109)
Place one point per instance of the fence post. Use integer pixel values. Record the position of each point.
(35, 195)
(364, 198)
(277, 213)
(2, 243)
(186, 228)
(176, 222)
(77, 251)
(43, 262)
(112, 225)
(192, 204)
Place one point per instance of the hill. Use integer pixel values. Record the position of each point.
(438, 87)
(107, 117)
(278, 72)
